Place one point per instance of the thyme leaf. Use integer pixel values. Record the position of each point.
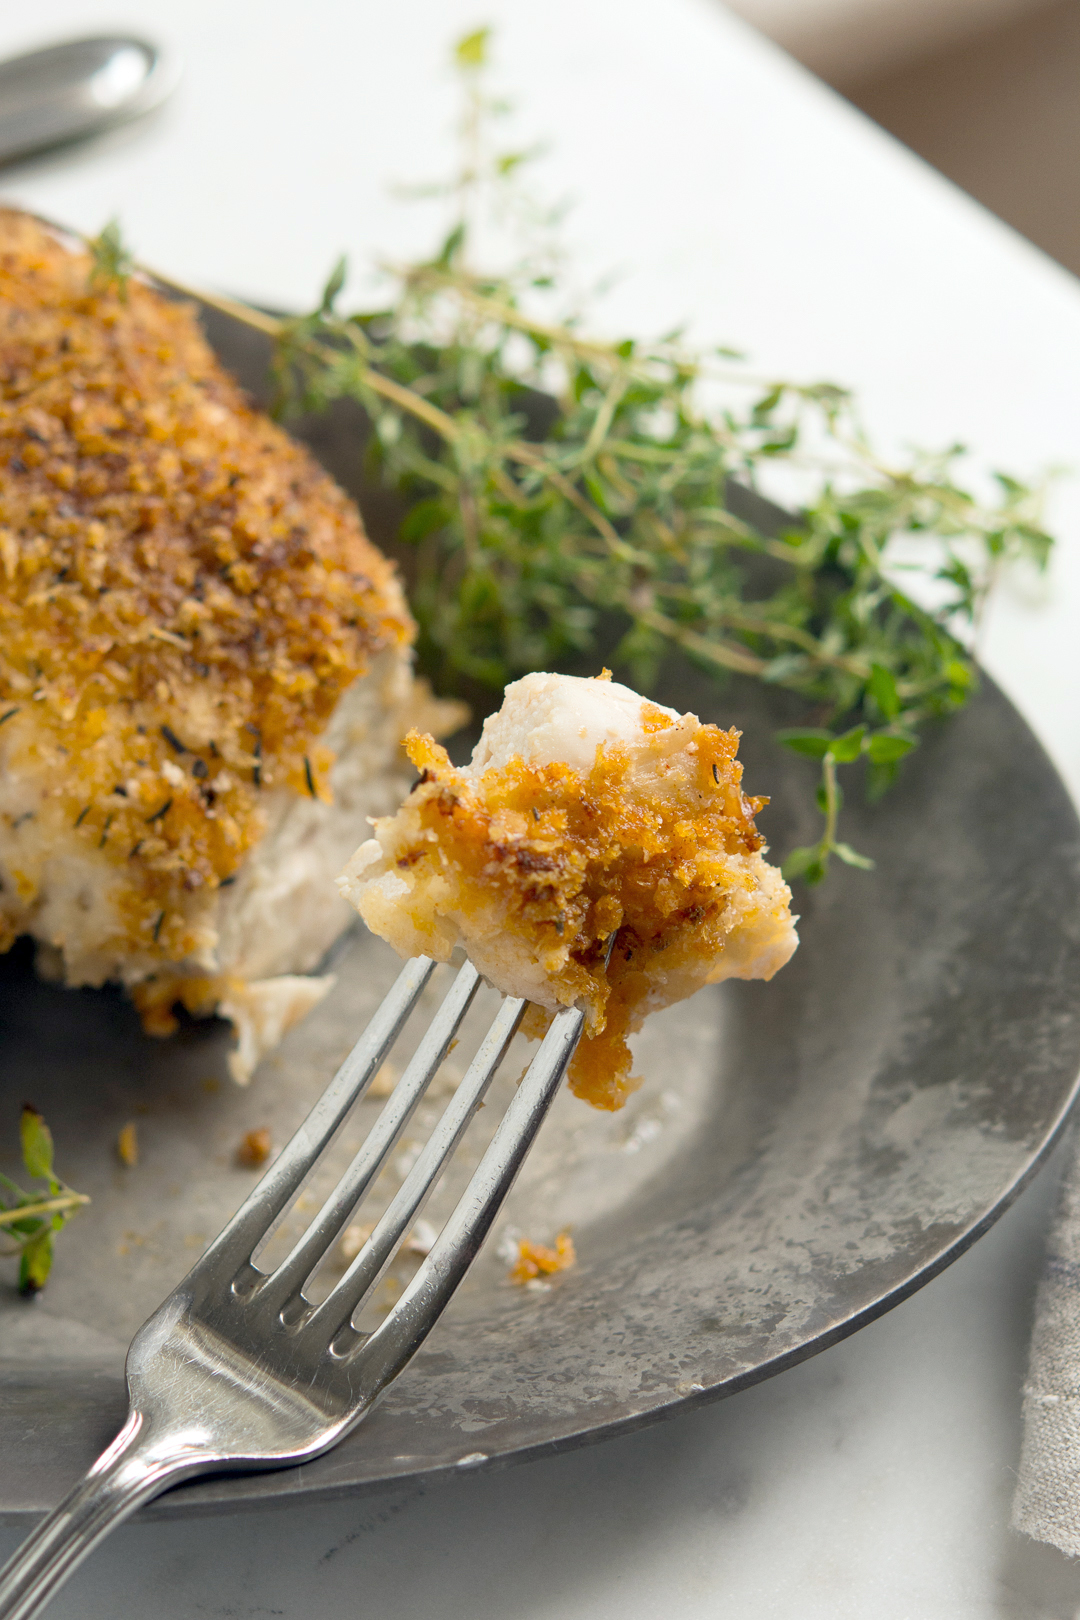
(31, 1219)
(111, 263)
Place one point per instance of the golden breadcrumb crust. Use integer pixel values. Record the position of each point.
(570, 858)
(183, 591)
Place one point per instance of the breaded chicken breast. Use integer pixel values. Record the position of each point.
(585, 811)
(204, 663)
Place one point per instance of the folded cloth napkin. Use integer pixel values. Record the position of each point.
(1047, 1501)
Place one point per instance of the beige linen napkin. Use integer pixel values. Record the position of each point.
(1047, 1501)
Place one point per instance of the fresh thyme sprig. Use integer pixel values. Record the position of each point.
(622, 507)
(883, 749)
(540, 532)
(32, 1218)
(571, 497)
(111, 263)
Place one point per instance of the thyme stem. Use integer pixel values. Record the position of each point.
(44, 1206)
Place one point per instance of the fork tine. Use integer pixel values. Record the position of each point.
(237, 1242)
(288, 1279)
(381, 1356)
(346, 1297)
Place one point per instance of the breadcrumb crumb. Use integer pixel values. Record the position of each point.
(535, 1260)
(254, 1149)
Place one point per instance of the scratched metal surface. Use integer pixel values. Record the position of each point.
(801, 1157)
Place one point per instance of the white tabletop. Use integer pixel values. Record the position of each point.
(733, 192)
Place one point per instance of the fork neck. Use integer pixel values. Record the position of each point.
(136, 1467)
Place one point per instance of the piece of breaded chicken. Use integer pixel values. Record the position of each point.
(585, 811)
(204, 663)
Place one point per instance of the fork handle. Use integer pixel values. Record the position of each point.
(128, 1473)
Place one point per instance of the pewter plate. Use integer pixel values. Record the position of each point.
(801, 1156)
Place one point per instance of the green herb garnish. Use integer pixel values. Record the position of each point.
(571, 497)
(883, 749)
(111, 263)
(31, 1218)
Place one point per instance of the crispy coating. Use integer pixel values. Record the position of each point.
(534, 867)
(184, 594)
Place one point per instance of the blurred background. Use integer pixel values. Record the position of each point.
(987, 91)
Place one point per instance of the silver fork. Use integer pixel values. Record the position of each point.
(237, 1369)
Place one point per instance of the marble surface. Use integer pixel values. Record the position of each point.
(731, 191)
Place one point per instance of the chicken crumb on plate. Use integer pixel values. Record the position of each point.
(585, 811)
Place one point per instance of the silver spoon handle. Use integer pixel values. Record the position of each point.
(78, 89)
